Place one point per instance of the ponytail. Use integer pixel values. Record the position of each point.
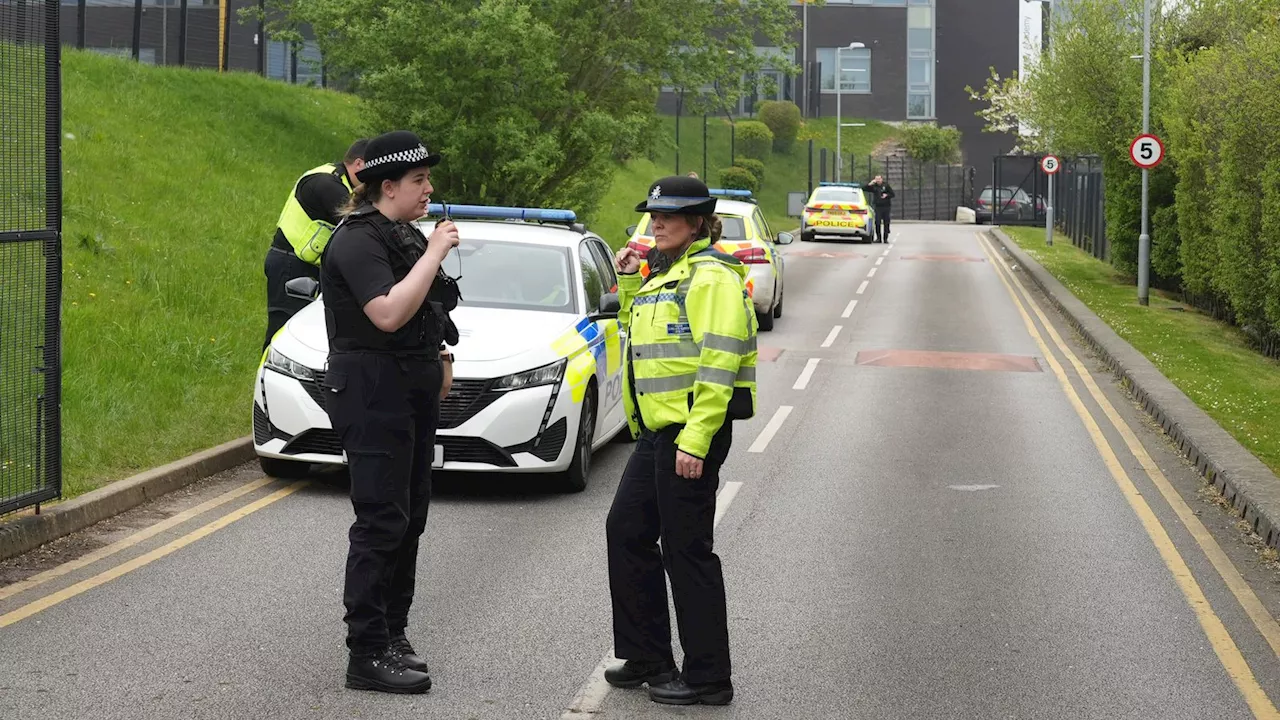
(362, 195)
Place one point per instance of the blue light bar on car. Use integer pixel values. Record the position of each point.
(729, 193)
(841, 184)
(497, 212)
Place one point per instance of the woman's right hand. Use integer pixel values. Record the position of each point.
(443, 239)
(627, 261)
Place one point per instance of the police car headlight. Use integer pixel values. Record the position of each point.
(279, 362)
(545, 375)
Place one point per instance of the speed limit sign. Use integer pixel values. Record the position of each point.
(1146, 151)
(1050, 164)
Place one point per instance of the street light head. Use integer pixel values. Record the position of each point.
(855, 45)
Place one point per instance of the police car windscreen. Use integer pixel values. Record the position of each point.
(732, 228)
(845, 195)
(514, 276)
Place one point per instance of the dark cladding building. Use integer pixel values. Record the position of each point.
(917, 59)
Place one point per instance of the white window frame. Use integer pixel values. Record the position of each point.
(844, 75)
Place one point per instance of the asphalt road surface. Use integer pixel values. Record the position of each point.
(944, 509)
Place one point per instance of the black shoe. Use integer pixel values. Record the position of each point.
(634, 673)
(678, 692)
(403, 651)
(385, 673)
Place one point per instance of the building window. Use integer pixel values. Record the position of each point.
(855, 75)
(920, 60)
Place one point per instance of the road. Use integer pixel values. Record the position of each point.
(944, 509)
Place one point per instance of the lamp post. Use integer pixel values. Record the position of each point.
(1048, 210)
(839, 94)
(1144, 239)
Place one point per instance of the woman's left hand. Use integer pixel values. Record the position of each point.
(688, 466)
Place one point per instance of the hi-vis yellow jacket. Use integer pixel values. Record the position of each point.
(306, 236)
(692, 354)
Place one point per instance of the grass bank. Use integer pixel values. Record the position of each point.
(1208, 360)
(174, 179)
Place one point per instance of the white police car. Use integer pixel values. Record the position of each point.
(538, 372)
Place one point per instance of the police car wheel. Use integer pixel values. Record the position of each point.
(806, 237)
(284, 469)
(765, 320)
(777, 309)
(575, 478)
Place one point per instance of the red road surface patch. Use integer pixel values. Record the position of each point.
(823, 254)
(943, 258)
(990, 362)
(764, 353)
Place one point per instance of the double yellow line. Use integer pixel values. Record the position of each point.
(48, 601)
(1228, 653)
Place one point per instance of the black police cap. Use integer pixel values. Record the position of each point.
(678, 195)
(391, 155)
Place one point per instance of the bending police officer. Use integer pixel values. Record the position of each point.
(690, 373)
(385, 309)
(313, 208)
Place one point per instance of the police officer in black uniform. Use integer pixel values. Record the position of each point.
(386, 303)
(320, 195)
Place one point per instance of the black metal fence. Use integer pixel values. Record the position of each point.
(1078, 205)
(30, 254)
(191, 33)
(923, 191)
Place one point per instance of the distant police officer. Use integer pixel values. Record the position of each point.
(882, 195)
(690, 373)
(310, 213)
(385, 298)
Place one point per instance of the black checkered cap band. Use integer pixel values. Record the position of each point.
(413, 155)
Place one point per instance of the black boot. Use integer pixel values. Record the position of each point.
(634, 673)
(385, 673)
(678, 692)
(403, 651)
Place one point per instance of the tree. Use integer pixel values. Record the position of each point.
(533, 102)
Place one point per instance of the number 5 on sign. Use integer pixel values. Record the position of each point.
(1146, 151)
(1050, 164)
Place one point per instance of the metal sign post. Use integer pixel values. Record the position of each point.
(1144, 239)
(1051, 165)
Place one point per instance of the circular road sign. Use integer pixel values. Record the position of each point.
(1050, 164)
(1146, 151)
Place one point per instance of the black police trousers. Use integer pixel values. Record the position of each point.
(385, 409)
(653, 502)
(883, 216)
(280, 267)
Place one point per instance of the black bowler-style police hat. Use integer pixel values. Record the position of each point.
(391, 155)
(678, 195)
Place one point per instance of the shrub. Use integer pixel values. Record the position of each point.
(783, 120)
(927, 142)
(736, 178)
(754, 139)
(755, 167)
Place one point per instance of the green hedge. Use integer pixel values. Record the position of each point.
(755, 167)
(754, 139)
(783, 120)
(736, 178)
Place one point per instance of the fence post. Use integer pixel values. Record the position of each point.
(810, 191)
(80, 13)
(262, 36)
(705, 174)
(822, 165)
(137, 28)
(733, 140)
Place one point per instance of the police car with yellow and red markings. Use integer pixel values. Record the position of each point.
(745, 234)
(538, 369)
(838, 210)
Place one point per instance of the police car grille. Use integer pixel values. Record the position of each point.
(473, 450)
(552, 441)
(466, 398)
(316, 440)
(261, 427)
(314, 389)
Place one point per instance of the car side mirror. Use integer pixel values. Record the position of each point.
(786, 238)
(631, 230)
(302, 288)
(610, 306)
